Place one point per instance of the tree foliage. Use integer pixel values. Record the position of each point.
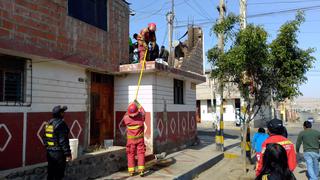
(290, 63)
(259, 68)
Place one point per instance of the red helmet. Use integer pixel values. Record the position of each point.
(152, 26)
(133, 110)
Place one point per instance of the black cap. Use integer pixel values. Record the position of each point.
(275, 126)
(58, 109)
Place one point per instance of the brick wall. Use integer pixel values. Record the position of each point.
(43, 28)
(194, 61)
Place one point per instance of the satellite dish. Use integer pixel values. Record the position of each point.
(175, 43)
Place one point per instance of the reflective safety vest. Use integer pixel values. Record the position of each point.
(50, 136)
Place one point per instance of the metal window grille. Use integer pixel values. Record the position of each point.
(15, 81)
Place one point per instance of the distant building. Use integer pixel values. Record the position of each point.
(231, 102)
(206, 113)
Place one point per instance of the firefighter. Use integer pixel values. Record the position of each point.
(146, 36)
(57, 144)
(276, 132)
(134, 120)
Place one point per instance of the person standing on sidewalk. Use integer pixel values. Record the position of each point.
(134, 120)
(57, 143)
(258, 138)
(275, 164)
(310, 139)
(276, 131)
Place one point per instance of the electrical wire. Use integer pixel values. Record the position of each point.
(282, 2)
(202, 9)
(284, 11)
(165, 36)
(196, 10)
(261, 14)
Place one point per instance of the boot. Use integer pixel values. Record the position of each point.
(141, 173)
(131, 173)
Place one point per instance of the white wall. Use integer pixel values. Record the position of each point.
(229, 115)
(205, 116)
(54, 84)
(163, 91)
(125, 90)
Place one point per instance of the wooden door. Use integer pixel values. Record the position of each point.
(102, 100)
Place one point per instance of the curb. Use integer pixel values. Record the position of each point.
(204, 166)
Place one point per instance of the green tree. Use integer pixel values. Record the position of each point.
(262, 71)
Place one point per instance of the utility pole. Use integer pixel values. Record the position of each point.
(246, 146)
(243, 14)
(219, 101)
(170, 19)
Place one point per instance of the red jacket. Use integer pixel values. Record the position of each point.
(135, 125)
(288, 146)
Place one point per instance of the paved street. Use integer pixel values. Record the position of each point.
(232, 168)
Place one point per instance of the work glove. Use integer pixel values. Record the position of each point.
(145, 45)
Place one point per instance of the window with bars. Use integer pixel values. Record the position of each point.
(178, 91)
(93, 12)
(12, 79)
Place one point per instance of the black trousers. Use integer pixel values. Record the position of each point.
(56, 165)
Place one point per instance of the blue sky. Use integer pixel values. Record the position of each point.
(204, 12)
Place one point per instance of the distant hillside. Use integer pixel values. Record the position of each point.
(306, 103)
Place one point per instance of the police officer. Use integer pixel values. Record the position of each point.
(57, 143)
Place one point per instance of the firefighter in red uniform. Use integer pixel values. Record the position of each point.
(276, 131)
(146, 36)
(134, 120)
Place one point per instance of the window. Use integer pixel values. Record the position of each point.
(211, 109)
(93, 12)
(178, 91)
(12, 78)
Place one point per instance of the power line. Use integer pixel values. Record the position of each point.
(165, 36)
(202, 9)
(198, 12)
(284, 11)
(282, 2)
(261, 14)
(152, 14)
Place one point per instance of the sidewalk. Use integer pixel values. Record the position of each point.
(231, 168)
(185, 164)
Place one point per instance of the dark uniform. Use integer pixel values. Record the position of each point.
(57, 143)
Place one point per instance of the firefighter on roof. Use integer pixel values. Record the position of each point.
(146, 36)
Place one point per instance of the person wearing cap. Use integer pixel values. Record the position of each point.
(276, 132)
(164, 54)
(146, 36)
(134, 120)
(310, 139)
(57, 144)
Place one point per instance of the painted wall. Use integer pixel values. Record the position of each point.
(53, 84)
(205, 116)
(124, 92)
(163, 131)
(163, 91)
(228, 116)
(43, 28)
(174, 124)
